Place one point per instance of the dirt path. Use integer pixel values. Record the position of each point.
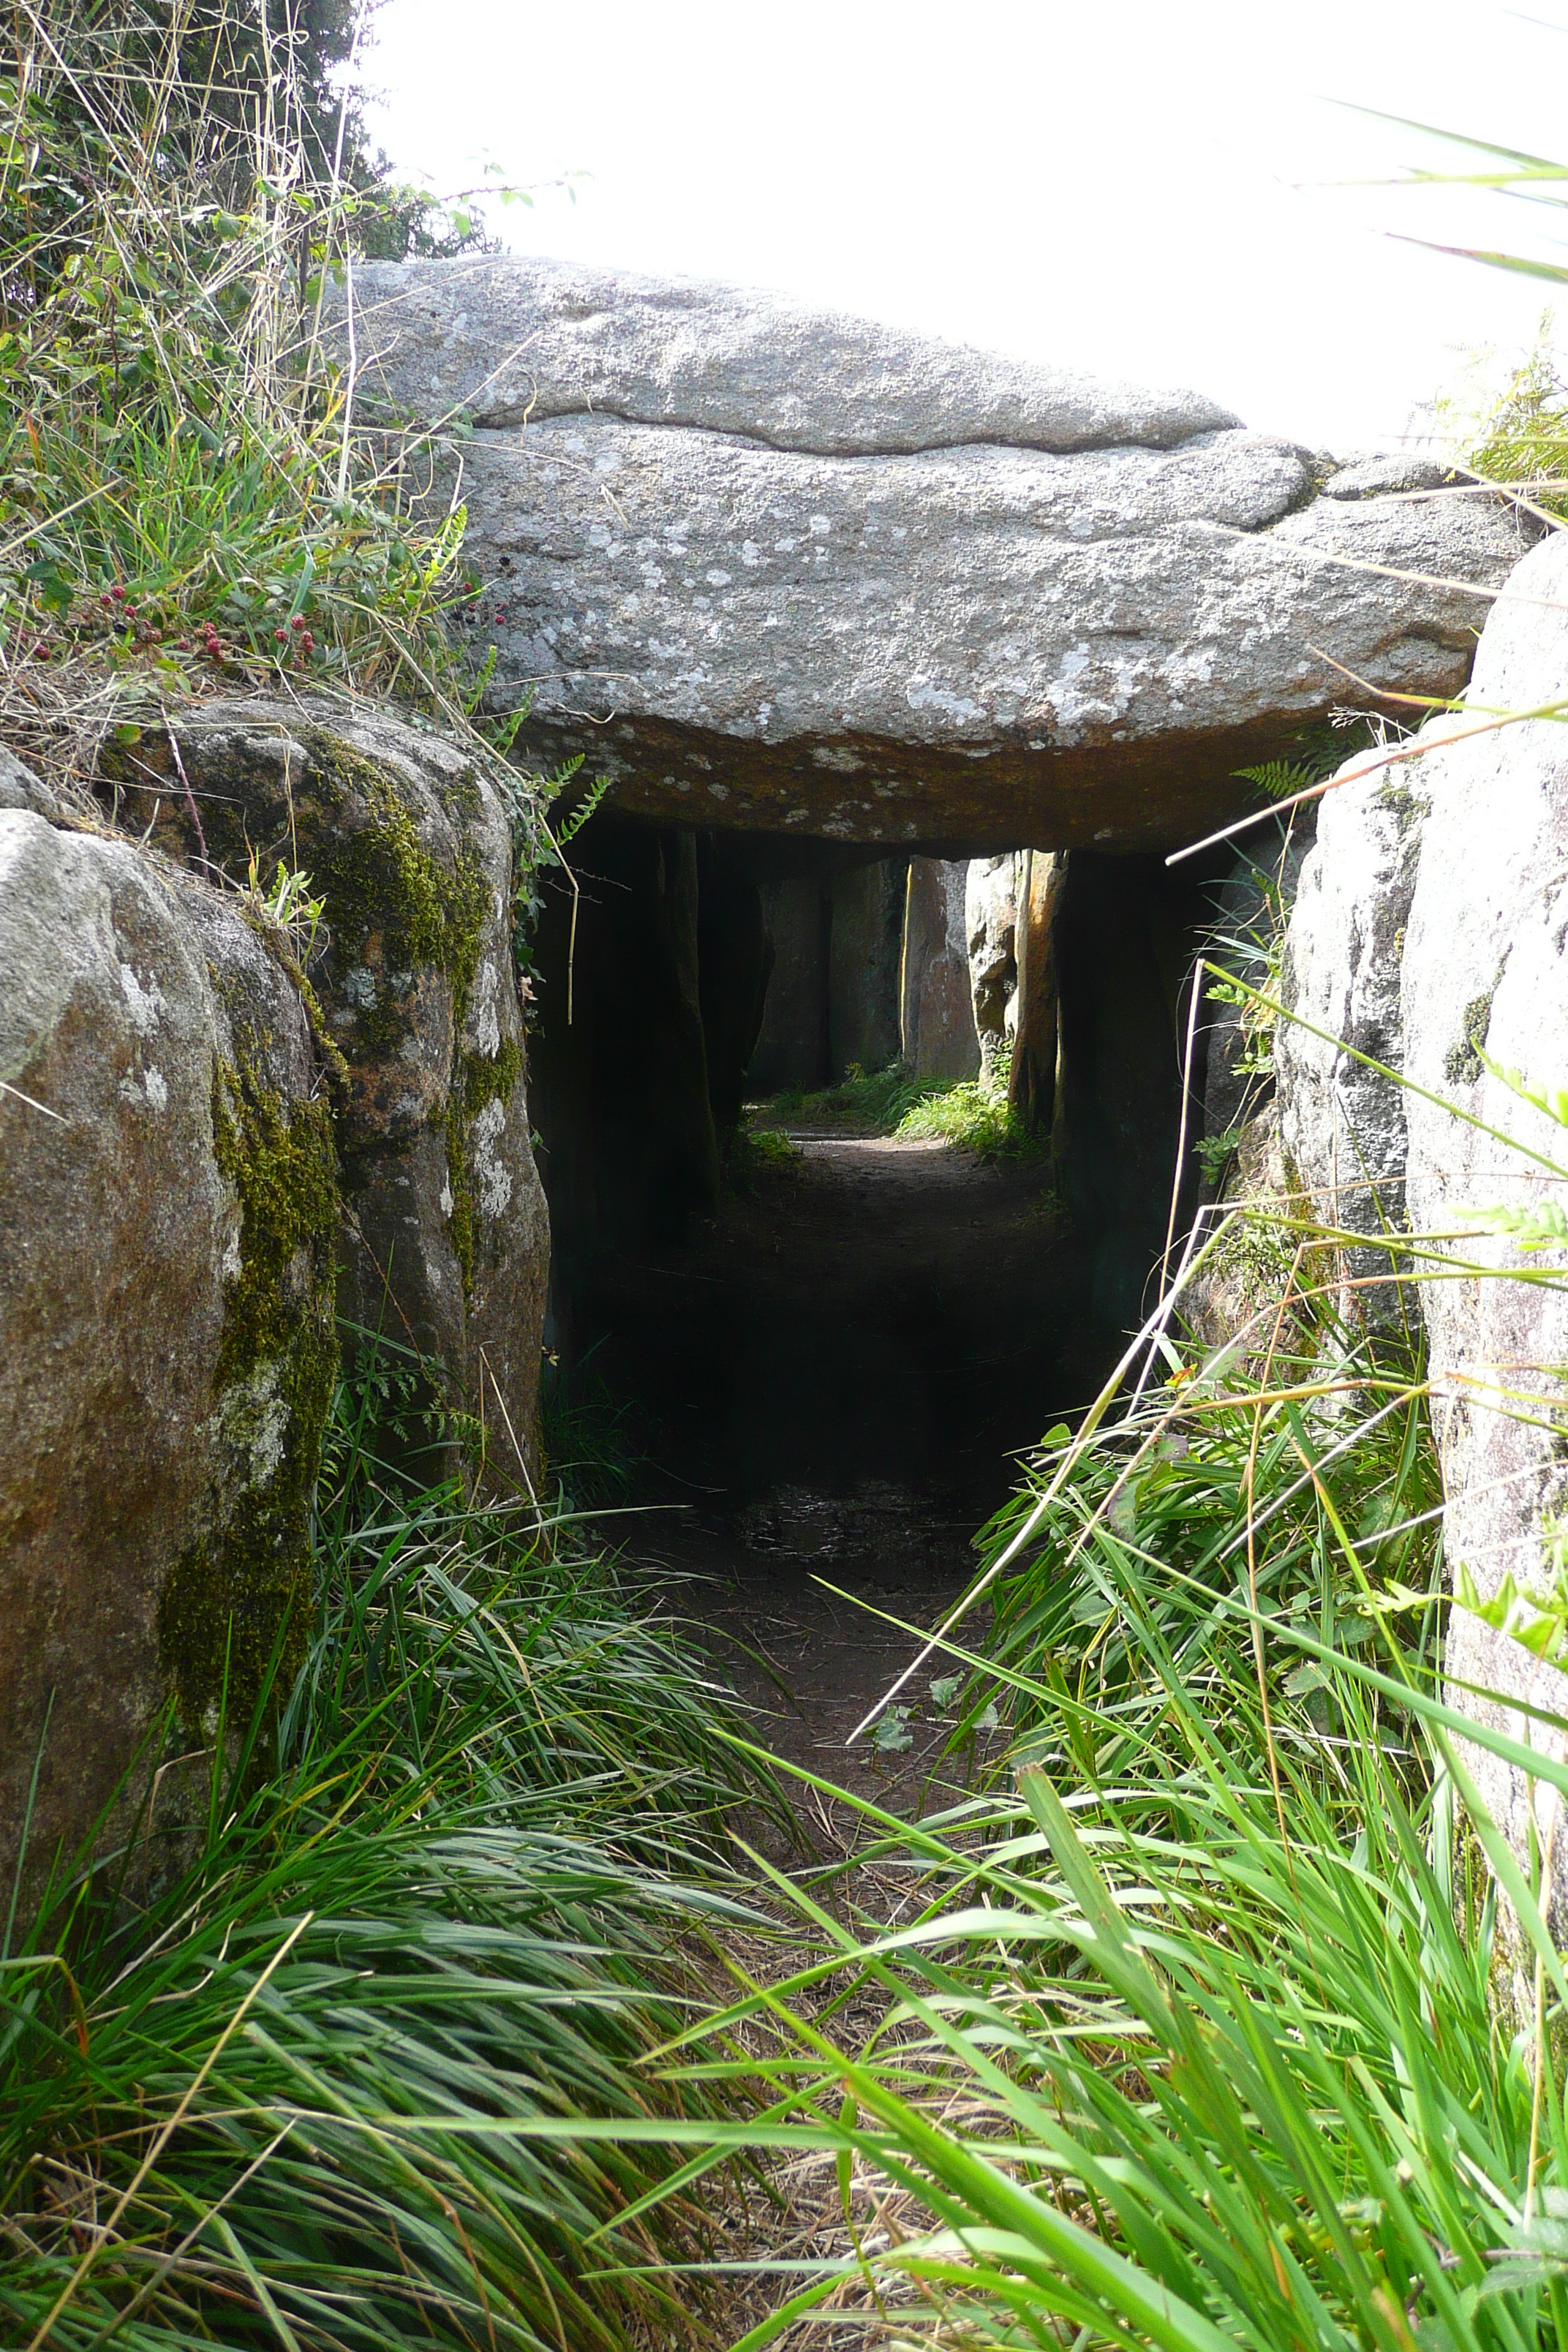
(831, 1377)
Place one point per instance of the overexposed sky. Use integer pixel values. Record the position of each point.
(1129, 188)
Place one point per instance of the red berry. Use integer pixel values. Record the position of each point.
(106, 598)
(117, 595)
(298, 622)
(281, 636)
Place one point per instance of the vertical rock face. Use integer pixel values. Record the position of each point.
(991, 909)
(447, 1234)
(865, 947)
(1244, 939)
(168, 1214)
(1122, 939)
(621, 1079)
(1485, 974)
(1032, 1081)
(939, 1034)
(1432, 932)
(793, 1047)
(1343, 1122)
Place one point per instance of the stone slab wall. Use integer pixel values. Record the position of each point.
(168, 1223)
(207, 1158)
(938, 1035)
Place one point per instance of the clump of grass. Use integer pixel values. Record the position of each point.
(193, 503)
(1192, 2044)
(972, 1114)
(320, 2067)
(592, 1457)
(1198, 2039)
(875, 1100)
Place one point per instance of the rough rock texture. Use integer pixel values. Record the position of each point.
(1032, 1079)
(1432, 925)
(21, 788)
(991, 911)
(507, 338)
(1236, 1293)
(1486, 969)
(620, 1070)
(938, 598)
(939, 1040)
(168, 1212)
(864, 952)
(1342, 1125)
(792, 1048)
(447, 1241)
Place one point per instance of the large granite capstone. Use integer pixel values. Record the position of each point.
(770, 568)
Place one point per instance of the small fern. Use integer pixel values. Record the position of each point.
(1281, 779)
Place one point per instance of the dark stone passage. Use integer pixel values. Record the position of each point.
(859, 1337)
(829, 1352)
(828, 1379)
(823, 1348)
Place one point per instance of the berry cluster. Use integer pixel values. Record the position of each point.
(134, 628)
(298, 636)
(123, 613)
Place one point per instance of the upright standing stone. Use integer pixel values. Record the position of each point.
(990, 900)
(446, 1235)
(168, 1219)
(939, 1036)
(1032, 1080)
(866, 913)
(792, 1048)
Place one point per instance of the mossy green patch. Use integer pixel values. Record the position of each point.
(1462, 1064)
(382, 884)
(241, 1596)
(478, 1079)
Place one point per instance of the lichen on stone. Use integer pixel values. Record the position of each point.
(237, 1603)
(478, 1081)
(1462, 1064)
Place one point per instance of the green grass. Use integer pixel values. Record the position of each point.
(192, 500)
(275, 2082)
(968, 1113)
(1225, 2014)
(1192, 2042)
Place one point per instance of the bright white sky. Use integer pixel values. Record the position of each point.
(1110, 184)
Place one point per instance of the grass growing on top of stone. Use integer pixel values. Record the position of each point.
(972, 1114)
(320, 2068)
(193, 503)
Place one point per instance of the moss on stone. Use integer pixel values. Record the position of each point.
(382, 883)
(393, 910)
(477, 1079)
(241, 1596)
(1462, 1064)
